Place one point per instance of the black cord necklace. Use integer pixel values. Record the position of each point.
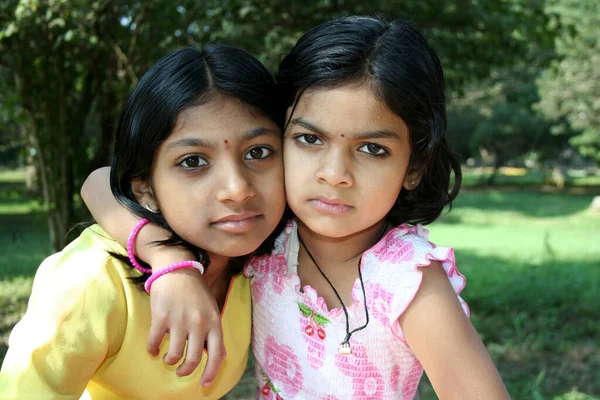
(345, 347)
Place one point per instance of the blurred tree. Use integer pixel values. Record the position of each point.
(501, 121)
(67, 59)
(471, 37)
(12, 142)
(73, 62)
(571, 88)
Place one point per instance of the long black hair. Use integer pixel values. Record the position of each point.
(182, 79)
(404, 72)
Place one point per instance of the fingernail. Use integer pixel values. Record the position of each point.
(206, 384)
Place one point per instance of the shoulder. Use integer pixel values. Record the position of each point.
(77, 306)
(397, 263)
(407, 246)
(85, 269)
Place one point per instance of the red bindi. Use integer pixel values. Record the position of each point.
(342, 135)
(226, 142)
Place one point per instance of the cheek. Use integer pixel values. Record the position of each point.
(296, 165)
(386, 188)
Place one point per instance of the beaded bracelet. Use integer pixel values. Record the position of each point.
(171, 268)
(130, 243)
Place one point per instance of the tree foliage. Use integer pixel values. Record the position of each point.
(571, 88)
(71, 63)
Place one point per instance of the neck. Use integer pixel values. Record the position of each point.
(216, 270)
(340, 250)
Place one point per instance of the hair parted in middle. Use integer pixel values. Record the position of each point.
(182, 79)
(394, 60)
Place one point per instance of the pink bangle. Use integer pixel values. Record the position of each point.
(130, 243)
(171, 268)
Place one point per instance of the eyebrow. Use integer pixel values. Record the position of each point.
(378, 134)
(254, 133)
(188, 142)
(246, 136)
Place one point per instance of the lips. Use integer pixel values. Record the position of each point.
(237, 217)
(237, 223)
(330, 205)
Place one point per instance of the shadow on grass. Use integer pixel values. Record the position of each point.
(529, 203)
(539, 322)
(24, 244)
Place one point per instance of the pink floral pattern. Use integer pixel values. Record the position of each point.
(395, 378)
(395, 251)
(367, 382)
(379, 302)
(411, 382)
(282, 366)
(296, 337)
(266, 268)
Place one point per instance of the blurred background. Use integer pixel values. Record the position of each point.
(524, 114)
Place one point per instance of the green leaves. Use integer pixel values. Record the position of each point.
(319, 319)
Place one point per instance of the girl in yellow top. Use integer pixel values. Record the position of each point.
(198, 152)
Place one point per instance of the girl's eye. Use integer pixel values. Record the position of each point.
(192, 162)
(258, 153)
(308, 139)
(373, 149)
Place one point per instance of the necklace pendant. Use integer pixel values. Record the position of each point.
(345, 348)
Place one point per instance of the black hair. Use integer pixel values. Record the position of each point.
(182, 79)
(404, 72)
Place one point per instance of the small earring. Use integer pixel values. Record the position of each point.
(149, 208)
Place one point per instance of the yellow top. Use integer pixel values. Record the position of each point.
(85, 329)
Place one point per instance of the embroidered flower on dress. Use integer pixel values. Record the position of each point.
(312, 324)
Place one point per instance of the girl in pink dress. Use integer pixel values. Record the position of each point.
(354, 302)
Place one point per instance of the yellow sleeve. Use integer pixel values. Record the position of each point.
(75, 320)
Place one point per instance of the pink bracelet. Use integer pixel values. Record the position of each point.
(171, 268)
(130, 243)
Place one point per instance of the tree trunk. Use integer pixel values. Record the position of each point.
(495, 167)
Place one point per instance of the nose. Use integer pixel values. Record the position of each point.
(235, 187)
(334, 169)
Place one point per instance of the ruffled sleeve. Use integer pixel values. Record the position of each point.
(399, 256)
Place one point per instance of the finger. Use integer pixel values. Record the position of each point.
(155, 338)
(216, 355)
(177, 341)
(193, 354)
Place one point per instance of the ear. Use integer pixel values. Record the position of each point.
(413, 176)
(142, 190)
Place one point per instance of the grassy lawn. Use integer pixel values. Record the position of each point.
(532, 261)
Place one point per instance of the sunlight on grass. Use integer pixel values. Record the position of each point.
(13, 175)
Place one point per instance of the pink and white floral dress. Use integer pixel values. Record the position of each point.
(296, 338)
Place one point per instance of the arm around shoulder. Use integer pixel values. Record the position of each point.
(446, 344)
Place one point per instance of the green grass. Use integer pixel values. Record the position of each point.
(519, 177)
(532, 261)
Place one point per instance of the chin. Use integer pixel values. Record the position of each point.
(238, 251)
(330, 230)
